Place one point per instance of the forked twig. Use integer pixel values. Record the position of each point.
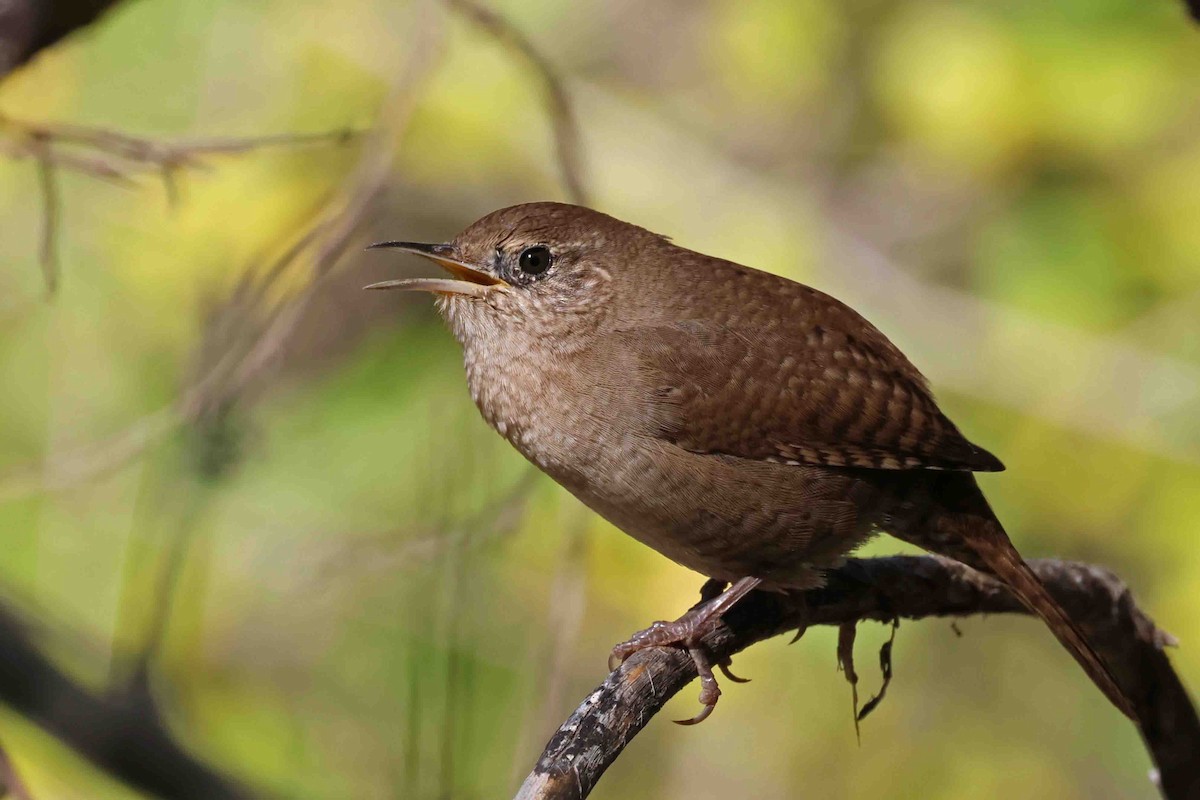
(321, 248)
(121, 158)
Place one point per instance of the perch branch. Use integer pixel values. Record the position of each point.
(882, 589)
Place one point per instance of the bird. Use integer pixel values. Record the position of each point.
(744, 425)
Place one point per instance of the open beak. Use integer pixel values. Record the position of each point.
(469, 280)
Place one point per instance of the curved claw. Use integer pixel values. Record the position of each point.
(696, 720)
(710, 693)
(724, 667)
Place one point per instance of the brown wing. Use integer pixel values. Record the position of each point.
(824, 396)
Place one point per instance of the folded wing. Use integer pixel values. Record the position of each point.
(820, 395)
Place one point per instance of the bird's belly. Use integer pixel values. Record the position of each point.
(723, 519)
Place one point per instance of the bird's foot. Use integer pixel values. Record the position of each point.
(684, 633)
(687, 633)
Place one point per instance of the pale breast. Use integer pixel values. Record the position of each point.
(532, 408)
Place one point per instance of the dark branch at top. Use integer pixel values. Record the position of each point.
(27, 26)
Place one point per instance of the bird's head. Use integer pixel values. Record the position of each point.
(549, 267)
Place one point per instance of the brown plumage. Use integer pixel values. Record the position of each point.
(749, 427)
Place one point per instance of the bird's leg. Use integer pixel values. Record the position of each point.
(686, 632)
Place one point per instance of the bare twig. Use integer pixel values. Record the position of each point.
(108, 153)
(94, 167)
(121, 158)
(495, 522)
(884, 589)
(246, 362)
(568, 598)
(548, 667)
(567, 140)
(88, 462)
(48, 253)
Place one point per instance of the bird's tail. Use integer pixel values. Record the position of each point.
(1004, 562)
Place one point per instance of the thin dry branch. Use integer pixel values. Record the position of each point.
(51, 207)
(105, 152)
(121, 158)
(493, 524)
(567, 139)
(325, 242)
(883, 589)
(266, 335)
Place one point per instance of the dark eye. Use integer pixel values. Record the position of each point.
(534, 260)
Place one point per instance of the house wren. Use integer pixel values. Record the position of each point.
(746, 426)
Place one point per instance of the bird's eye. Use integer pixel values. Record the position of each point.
(534, 260)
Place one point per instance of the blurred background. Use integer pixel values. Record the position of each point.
(234, 480)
